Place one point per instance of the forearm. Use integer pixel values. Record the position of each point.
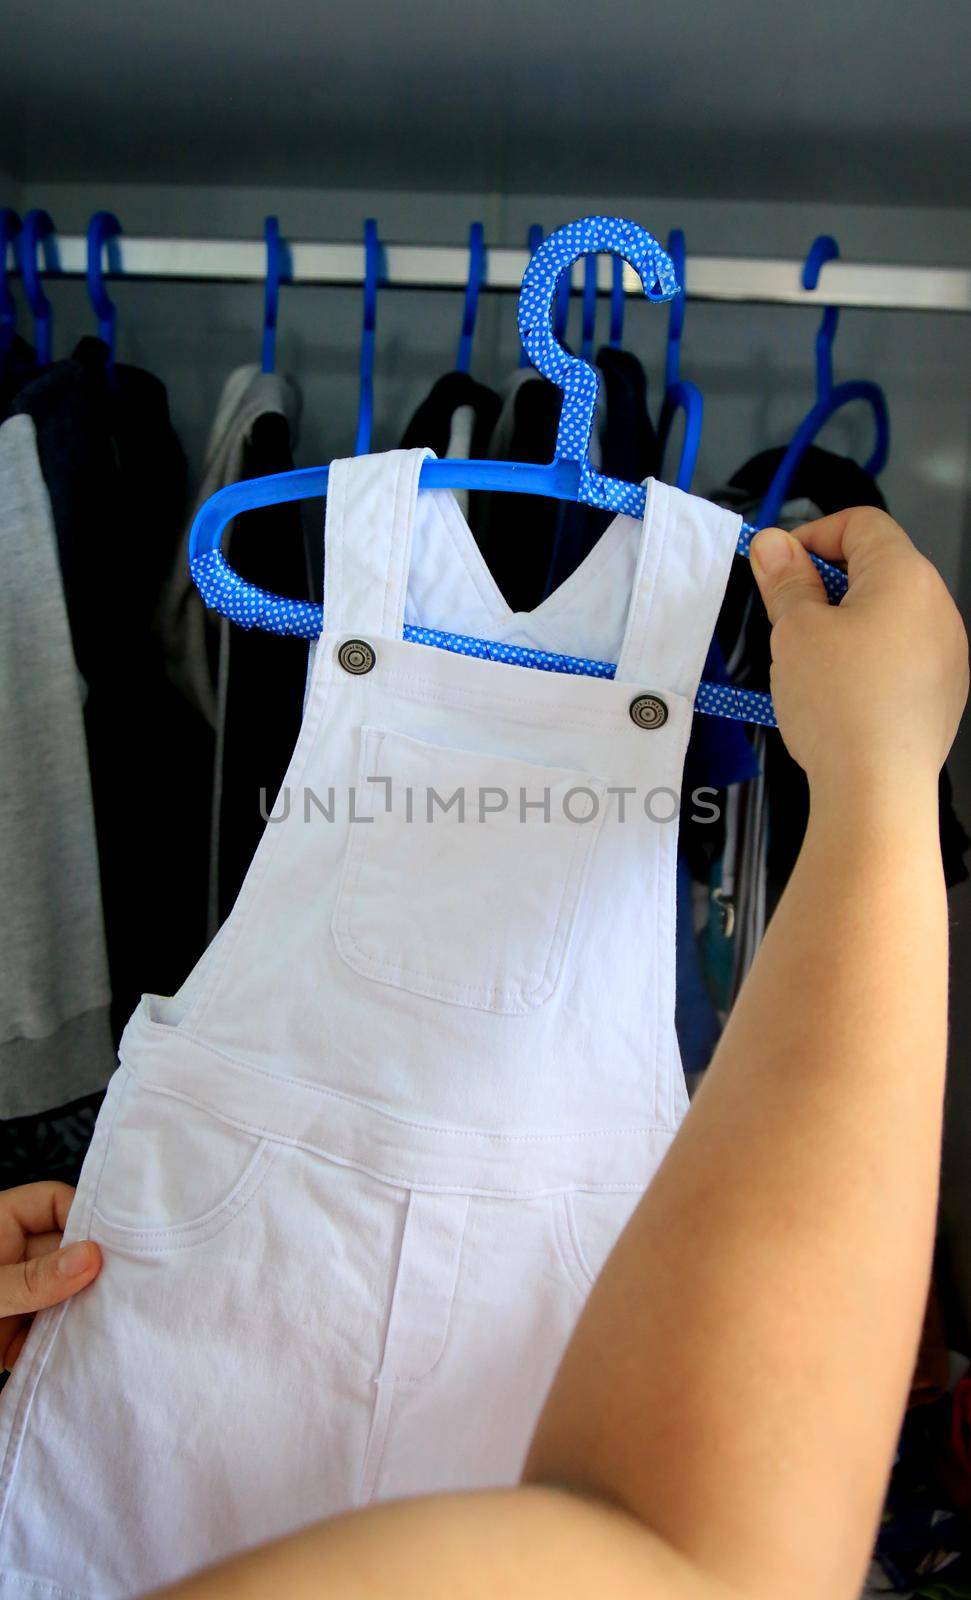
(738, 1377)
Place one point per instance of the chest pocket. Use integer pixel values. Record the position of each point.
(463, 877)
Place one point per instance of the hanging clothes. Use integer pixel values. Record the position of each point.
(456, 420)
(55, 1038)
(246, 686)
(721, 759)
(530, 551)
(424, 1072)
(115, 474)
(628, 450)
(768, 820)
(18, 366)
(515, 532)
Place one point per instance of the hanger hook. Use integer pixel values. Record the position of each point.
(38, 235)
(373, 273)
(533, 242)
(678, 253)
(823, 249)
(476, 275)
(617, 302)
(9, 229)
(577, 379)
(279, 270)
(103, 229)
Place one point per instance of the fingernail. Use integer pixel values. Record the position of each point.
(74, 1260)
(772, 551)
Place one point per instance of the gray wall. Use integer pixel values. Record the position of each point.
(754, 365)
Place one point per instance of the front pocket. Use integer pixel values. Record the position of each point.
(173, 1175)
(463, 873)
(588, 1225)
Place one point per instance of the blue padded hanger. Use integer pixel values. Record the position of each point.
(472, 290)
(533, 243)
(278, 270)
(678, 394)
(373, 270)
(830, 397)
(9, 229)
(38, 235)
(568, 477)
(103, 230)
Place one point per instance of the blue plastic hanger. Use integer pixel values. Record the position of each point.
(38, 235)
(679, 395)
(830, 397)
(533, 243)
(9, 229)
(472, 290)
(278, 270)
(568, 477)
(617, 302)
(103, 230)
(373, 269)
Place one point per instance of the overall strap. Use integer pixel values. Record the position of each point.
(368, 524)
(686, 551)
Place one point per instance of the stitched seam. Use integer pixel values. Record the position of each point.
(174, 1240)
(25, 1580)
(564, 1239)
(321, 1089)
(386, 627)
(413, 1379)
(404, 1181)
(18, 1426)
(254, 1161)
(411, 685)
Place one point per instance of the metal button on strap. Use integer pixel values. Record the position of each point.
(648, 711)
(356, 656)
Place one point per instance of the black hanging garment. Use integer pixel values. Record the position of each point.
(115, 473)
(532, 546)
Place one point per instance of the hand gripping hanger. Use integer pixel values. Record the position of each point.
(569, 476)
(830, 397)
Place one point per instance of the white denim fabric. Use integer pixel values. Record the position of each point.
(353, 1182)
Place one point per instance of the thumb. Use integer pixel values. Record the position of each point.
(784, 573)
(46, 1280)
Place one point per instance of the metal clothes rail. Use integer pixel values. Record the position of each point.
(757, 280)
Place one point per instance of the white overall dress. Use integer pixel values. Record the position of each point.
(353, 1183)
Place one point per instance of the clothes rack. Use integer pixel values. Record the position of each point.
(739, 279)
